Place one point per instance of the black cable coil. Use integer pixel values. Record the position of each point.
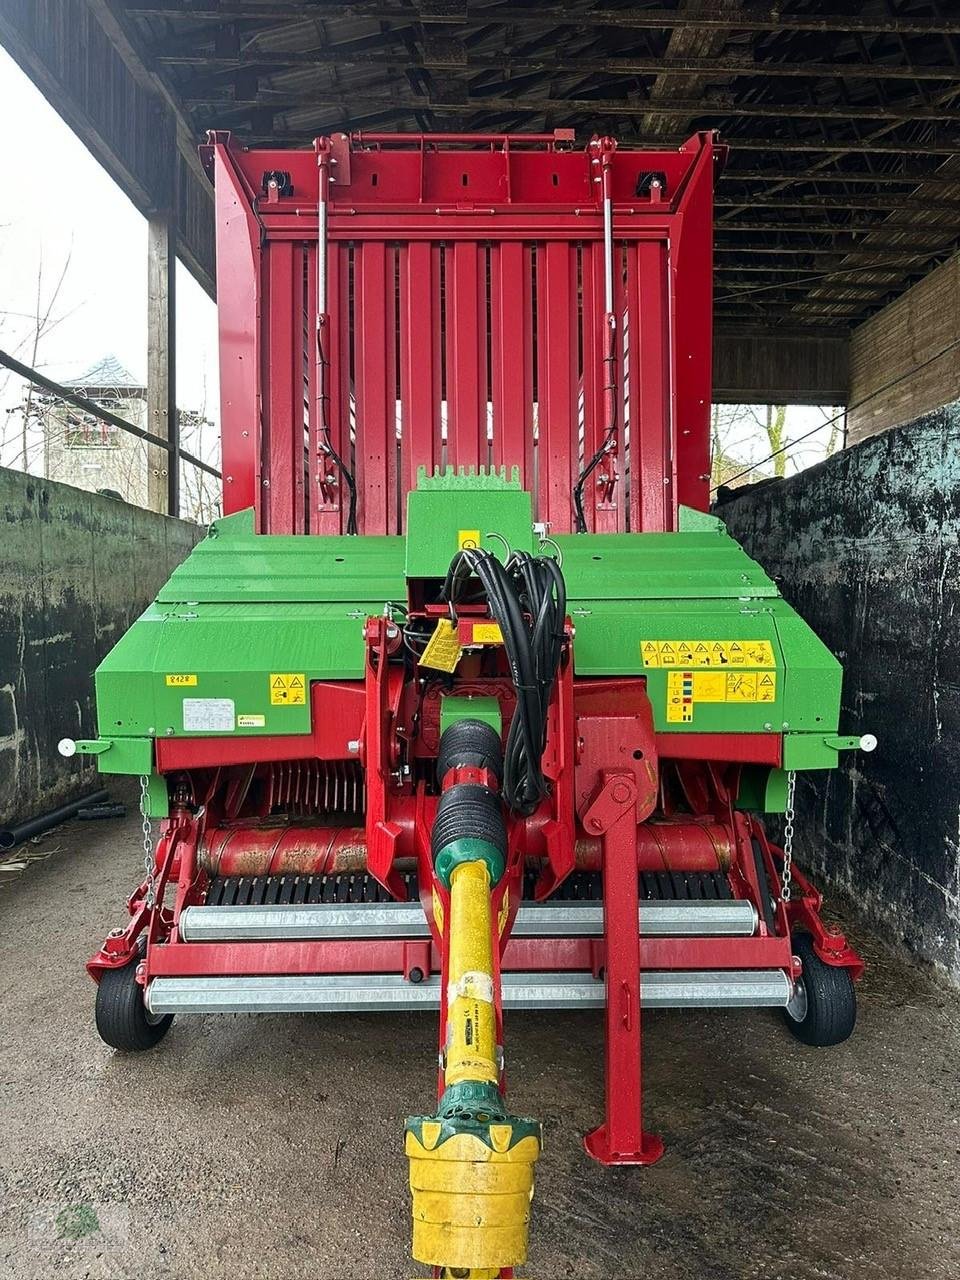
(528, 598)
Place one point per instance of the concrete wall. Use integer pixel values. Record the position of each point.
(867, 547)
(894, 343)
(75, 570)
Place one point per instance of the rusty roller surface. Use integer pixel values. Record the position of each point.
(270, 851)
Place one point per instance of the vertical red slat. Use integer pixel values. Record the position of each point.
(651, 499)
(241, 337)
(282, 442)
(619, 459)
(512, 355)
(419, 359)
(557, 383)
(690, 274)
(466, 355)
(601, 516)
(376, 397)
(332, 499)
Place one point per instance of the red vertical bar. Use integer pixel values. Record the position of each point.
(603, 515)
(375, 377)
(691, 373)
(332, 496)
(621, 1139)
(419, 359)
(239, 291)
(282, 442)
(557, 380)
(651, 496)
(512, 356)
(466, 355)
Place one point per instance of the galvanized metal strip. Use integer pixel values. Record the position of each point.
(379, 993)
(729, 918)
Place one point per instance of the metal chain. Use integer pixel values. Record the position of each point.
(789, 815)
(147, 830)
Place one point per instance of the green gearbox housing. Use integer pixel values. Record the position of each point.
(249, 621)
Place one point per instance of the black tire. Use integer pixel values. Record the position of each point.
(122, 1018)
(823, 1011)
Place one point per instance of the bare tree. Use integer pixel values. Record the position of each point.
(740, 433)
(43, 319)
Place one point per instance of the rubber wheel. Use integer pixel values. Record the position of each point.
(122, 1018)
(823, 1010)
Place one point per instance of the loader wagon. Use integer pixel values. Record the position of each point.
(467, 703)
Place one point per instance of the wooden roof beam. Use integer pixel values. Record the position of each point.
(760, 18)
(565, 107)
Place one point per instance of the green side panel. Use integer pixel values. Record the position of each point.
(450, 507)
(470, 707)
(230, 652)
(699, 586)
(241, 611)
(235, 564)
(660, 566)
(245, 611)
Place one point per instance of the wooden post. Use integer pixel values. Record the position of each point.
(163, 470)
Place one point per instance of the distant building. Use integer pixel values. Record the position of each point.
(84, 451)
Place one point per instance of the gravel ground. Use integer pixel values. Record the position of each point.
(271, 1147)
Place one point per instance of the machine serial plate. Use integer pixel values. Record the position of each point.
(208, 715)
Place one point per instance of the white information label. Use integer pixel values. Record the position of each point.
(208, 715)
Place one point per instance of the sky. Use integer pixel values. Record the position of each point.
(57, 201)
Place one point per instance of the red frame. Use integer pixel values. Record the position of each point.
(457, 229)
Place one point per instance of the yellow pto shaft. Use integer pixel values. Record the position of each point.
(471, 1165)
(471, 1019)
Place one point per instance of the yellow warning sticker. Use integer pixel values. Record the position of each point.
(443, 648)
(468, 539)
(179, 681)
(686, 688)
(288, 690)
(707, 653)
(487, 633)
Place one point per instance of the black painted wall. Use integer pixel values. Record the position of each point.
(75, 570)
(865, 546)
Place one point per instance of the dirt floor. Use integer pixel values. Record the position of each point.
(271, 1147)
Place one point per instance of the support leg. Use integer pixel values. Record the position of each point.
(621, 1139)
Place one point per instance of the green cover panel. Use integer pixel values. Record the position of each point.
(246, 613)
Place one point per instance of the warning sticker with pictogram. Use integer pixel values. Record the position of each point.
(288, 690)
(707, 653)
(686, 688)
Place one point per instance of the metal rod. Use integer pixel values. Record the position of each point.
(386, 992)
(323, 161)
(10, 837)
(91, 407)
(317, 921)
(608, 254)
